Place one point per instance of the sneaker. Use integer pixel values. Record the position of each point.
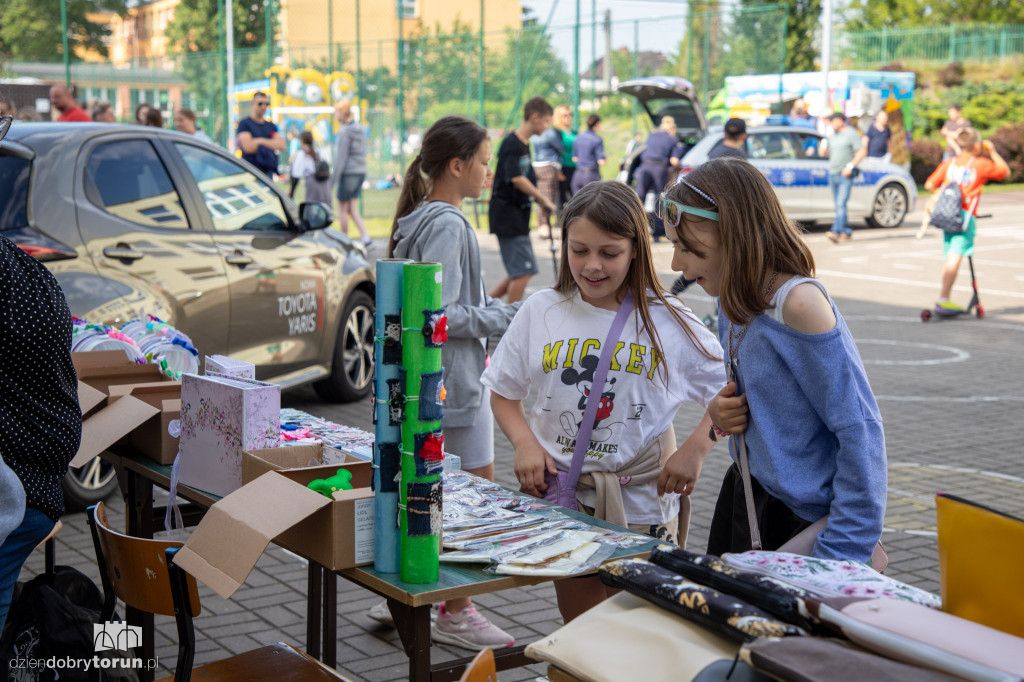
(845, 237)
(380, 613)
(833, 237)
(367, 240)
(470, 630)
(947, 308)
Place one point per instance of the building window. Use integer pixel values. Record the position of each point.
(408, 9)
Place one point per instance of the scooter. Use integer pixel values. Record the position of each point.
(974, 306)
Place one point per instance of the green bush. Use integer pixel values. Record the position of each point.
(1009, 142)
(925, 156)
(951, 74)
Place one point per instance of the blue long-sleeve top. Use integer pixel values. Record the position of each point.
(548, 147)
(814, 437)
(588, 149)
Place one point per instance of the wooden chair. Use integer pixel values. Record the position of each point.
(481, 669)
(142, 574)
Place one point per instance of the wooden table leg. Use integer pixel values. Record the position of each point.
(413, 625)
(314, 583)
(139, 522)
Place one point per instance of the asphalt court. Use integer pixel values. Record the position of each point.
(950, 394)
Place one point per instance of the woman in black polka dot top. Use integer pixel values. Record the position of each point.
(40, 421)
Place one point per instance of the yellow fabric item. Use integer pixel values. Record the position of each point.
(981, 564)
(628, 638)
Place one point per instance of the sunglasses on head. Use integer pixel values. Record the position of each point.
(671, 212)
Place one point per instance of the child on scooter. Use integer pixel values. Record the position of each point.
(976, 163)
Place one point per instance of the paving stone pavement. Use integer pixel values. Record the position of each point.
(950, 394)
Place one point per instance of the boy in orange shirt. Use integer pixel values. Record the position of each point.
(976, 163)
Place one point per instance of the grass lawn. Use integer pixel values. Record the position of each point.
(990, 188)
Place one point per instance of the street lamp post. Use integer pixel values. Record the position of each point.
(64, 40)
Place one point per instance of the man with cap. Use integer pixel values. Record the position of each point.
(844, 151)
(734, 142)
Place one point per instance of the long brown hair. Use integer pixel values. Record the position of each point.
(451, 137)
(754, 234)
(615, 208)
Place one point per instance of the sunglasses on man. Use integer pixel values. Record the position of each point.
(671, 212)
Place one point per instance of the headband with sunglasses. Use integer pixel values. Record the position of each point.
(671, 212)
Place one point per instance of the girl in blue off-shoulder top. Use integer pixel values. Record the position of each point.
(798, 389)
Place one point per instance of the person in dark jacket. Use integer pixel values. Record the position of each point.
(660, 153)
(40, 421)
(588, 154)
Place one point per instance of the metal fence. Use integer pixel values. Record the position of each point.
(404, 84)
(945, 44)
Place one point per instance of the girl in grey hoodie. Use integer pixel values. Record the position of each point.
(452, 165)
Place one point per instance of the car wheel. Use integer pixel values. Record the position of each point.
(89, 484)
(352, 364)
(889, 208)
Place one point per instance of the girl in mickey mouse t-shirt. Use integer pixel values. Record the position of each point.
(663, 358)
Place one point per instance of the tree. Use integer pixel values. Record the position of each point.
(801, 29)
(195, 36)
(30, 29)
(877, 14)
(195, 27)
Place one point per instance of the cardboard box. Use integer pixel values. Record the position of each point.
(102, 369)
(106, 421)
(278, 506)
(151, 437)
(255, 463)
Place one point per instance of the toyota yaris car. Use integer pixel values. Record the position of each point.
(135, 220)
(882, 194)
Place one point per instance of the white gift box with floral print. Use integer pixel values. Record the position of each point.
(221, 417)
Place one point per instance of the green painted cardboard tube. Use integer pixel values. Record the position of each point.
(421, 290)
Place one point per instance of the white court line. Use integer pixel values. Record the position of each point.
(957, 355)
(913, 283)
(958, 470)
(855, 259)
(952, 399)
(917, 320)
(906, 266)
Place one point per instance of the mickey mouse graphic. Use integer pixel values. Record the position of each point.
(583, 381)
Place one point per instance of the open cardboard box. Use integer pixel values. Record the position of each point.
(255, 463)
(105, 419)
(151, 437)
(278, 506)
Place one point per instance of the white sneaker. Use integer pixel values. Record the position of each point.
(470, 630)
(380, 613)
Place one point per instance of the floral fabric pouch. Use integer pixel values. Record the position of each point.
(721, 613)
(825, 578)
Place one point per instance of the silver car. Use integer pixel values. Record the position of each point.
(882, 195)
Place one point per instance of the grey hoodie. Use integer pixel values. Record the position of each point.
(12, 501)
(438, 232)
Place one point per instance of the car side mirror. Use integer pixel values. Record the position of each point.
(314, 215)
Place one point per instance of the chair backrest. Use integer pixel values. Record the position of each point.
(135, 569)
(481, 669)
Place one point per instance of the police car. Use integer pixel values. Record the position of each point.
(882, 195)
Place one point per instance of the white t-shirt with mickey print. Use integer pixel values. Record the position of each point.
(553, 345)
